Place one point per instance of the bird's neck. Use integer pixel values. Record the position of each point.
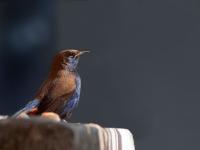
(71, 68)
(60, 64)
(61, 68)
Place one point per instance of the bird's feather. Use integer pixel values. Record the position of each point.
(28, 107)
(60, 91)
(73, 100)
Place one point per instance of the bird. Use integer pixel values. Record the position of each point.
(60, 92)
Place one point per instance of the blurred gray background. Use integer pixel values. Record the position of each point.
(142, 72)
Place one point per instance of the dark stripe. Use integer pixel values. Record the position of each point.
(111, 147)
(107, 142)
(105, 136)
(120, 140)
(108, 135)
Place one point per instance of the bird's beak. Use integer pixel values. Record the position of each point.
(81, 53)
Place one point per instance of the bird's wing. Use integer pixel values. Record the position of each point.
(28, 107)
(60, 91)
(44, 88)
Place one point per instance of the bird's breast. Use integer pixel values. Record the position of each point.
(64, 84)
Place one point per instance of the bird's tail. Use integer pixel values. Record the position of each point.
(29, 108)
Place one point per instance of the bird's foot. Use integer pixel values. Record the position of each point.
(51, 116)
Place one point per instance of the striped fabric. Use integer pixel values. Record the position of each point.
(104, 138)
(119, 139)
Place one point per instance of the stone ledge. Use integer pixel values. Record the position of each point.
(38, 133)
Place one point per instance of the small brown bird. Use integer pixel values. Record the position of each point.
(60, 92)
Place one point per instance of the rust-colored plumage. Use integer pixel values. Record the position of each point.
(60, 92)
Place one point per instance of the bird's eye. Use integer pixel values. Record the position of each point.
(71, 56)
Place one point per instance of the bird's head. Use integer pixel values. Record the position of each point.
(70, 57)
